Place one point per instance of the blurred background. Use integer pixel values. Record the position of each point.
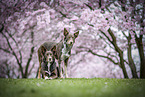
(111, 43)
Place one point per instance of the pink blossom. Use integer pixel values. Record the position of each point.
(43, 4)
(38, 11)
(74, 18)
(48, 24)
(61, 3)
(28, 13)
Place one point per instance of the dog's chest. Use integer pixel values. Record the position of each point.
(49, 64)
(65, 53)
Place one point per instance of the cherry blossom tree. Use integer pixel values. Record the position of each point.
(104, 20)
(127, 27)
(17, 33)
(109, 29)
(137, 11)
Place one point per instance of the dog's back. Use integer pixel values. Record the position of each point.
(49, 45)
(59, 47)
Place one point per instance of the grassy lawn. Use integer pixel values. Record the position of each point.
(72, 87)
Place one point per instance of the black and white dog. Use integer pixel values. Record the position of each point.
(47, 64)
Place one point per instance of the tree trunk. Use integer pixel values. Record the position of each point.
(142, 68)
(141, 54)
(142, 59)
(113, 41)
(123, 65)
(28, 63)
(130, 60)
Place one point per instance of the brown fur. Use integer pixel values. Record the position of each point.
(46, 53)
(63, 50)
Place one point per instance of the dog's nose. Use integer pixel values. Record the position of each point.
(71, 42)
(49, 59)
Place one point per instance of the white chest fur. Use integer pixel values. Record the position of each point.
(65, 53)
(49, 68)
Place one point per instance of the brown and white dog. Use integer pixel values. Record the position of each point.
(63, 50)
(47, 64)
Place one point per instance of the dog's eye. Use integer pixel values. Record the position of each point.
(50, 54)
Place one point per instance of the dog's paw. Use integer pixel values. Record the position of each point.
(50, 78)
(46, 78)
(62, 77)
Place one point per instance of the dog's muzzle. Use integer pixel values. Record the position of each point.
(70, 42)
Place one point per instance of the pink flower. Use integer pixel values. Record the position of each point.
(74, 18)
(43, 4)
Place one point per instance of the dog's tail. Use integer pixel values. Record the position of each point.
(58, 73)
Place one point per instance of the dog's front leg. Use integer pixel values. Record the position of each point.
(54, 75)
(39, 72)
(65, 67)
(60, 69)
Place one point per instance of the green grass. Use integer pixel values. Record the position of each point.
(73, 87)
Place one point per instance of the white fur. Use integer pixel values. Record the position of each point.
(49, 68)
(46, 77)
(65, 53)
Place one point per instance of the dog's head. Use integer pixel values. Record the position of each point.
(70, 38)
(48, 56)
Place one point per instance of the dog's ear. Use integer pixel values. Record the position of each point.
(65, 33)
(43, 49)
(76, 34)
(54, 52)
(53, 49)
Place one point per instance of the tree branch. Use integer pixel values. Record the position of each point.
(28, 62)
(31, 69)
(64, 15)
(107, 57)
(124, 35)
(109, 54)
(89, 6)
(113, 41)
(105, 35)
(5, 50)
(17, 46)
(112, 35)
(2, 28)
(106, 42)
(13, 53)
